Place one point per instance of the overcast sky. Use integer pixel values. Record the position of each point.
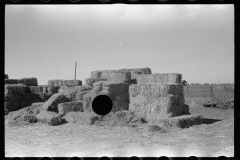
(45, 41)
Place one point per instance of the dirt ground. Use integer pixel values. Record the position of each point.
(71, 139)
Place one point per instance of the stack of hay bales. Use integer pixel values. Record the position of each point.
(13, 96)
(112, 75)
(20, 93)
(157, 97)
(117, 91)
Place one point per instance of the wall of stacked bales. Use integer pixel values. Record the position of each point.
(20, 93)
(157, 96)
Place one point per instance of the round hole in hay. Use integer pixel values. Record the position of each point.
(102, 104)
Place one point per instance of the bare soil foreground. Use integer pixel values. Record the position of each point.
(214, 138)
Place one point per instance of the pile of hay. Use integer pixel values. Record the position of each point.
(50, 118)
(24, 116)
(117, 91)
(159, 78)
(82, 118)
(28, 81)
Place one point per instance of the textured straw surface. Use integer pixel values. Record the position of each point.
(159, 78)
(12, 98)
(74, 106)
(89, 81)
(11, 81)
(29, 81)
(120, 77)
(154, 89)
(60, 82)
(15, 89)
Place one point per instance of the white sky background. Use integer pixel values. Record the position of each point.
(45, 41)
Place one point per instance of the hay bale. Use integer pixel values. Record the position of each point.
(44, 96)
(96, 74)
(81, 118)
(168, 105)
(12, 98)
(71, 83)
(28, 81)
(89, 81)
(50, 118)
(30, 96)
(113, 87)
(6, 76)
(120, 77)
(76, 93)
(53, 82)
(22, 104)
(15, 89)
(154, 89)
(52, 103)
(30, 102)
(183, 121)
(159, 78)
(137, 70)
(52, 89)
(37, 89)
(11, 106)
(65, 89)
(74, 106)
(11, 81)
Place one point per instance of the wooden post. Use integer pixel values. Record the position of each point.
(75, 69)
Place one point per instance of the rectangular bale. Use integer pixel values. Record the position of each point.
(151, 111)
(154, 89)
(29, 81)
(30, 96)
(119, 77)
(52, 89)
(23, 104)
(166, 105)
(73, 106)
(159, 78)
(11, 106)
(72, 83)
(96, 74)
(145, 70)
(11, 81)
(113, 87)
(161, 99)
(15, 89)
(53, 82)
(89, 81)
(37, 89)
(44, 96)
(12, 98)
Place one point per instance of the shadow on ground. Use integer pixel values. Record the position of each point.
(210, 121)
